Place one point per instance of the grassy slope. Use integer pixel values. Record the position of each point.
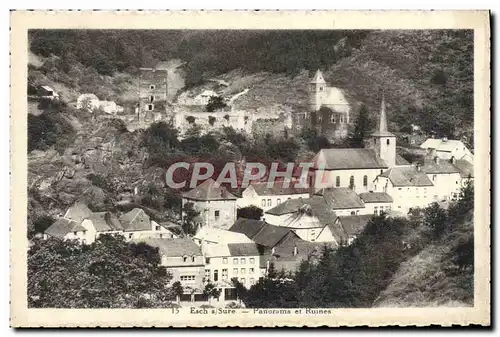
(430, 278)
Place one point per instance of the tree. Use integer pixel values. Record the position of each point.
(188, 219)
(42, 223)
(362, 125)
(109, 273)
(211, 291)
(465, 203)
(177, 290)
(250, 212)
(314, 141)
(435, 218)
(215, 103)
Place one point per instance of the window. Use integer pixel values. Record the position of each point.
(278, 201)
(151, 87)
(434, 177)
(252, 280)
(192, 258)
(337, 181)
(263, 203)
(75, 233)
(332, 118)
(353, 213)
(365, 181)
(242, 260)
(268, 202)
(251, 270)
(381, 171)
(207, 275)
(157, 228)
(399, 188)
(207, 260)
(235, 261)
(151, 99)
(235, 271)
(243, 271)
(224, 260)
(224, 274)
(351, 181)
(130, 236)
(184, 258)
(252, 260)
(341, 119)
(216, 275)
(375, 210)
(217, 214)
(150, 107)
(313, 235)
(188, 278)
(388, 141)
(242, 280)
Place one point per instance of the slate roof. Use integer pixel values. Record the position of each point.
(406, 176)
(343, 159)
(216, 250)
(209, 190)
(243, 249)
(299, 208)
(340, 198)
(128, 223)
(369, 197)
(354, 224)
(78, 212)
(221, 236)
(249, 227)
(173, 247)
(105, 222)
(466, 168)
(277, 189)
(62, 227)
(260, 232)
(443, 166)
(440, 145)
(400, 161)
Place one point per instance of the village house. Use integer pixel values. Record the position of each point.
(183, 259)
(137, 224)
(466, 170)
(100, 223)
(260, 195)
(357, 168)
(376, 202)
(343, 201)
(445, 176)
(217, 206)
(67, 229)
(447, 148)
(47, 92)
(352, 225)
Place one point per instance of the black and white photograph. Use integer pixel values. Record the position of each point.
(264, 171)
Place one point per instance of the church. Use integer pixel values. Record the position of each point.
(356, 168)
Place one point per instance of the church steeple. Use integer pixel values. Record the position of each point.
(318, 78)
(382, 130)
(383, 141)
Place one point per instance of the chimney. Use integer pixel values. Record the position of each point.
(436, 160)
(445, 139)
(453, 160)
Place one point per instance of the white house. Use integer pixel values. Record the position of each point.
(445, 176)
(204, 97)
(260, 195)
(66, 229)
(446, 148)
(88, 102)
(376, 202)
(137, 225)
(110, 107)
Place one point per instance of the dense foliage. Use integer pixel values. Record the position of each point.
(106, 274)
(250, 212)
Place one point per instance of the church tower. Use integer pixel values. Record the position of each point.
(384, 142)
(317, 89)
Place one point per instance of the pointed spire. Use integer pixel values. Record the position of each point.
(382, 130)
(318, 78)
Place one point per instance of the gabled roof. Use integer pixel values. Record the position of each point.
(105, 222)
(243, 249)
(406, 176)
(128, 223)
(369, 197)
(221, 236)
(277, 188)
(260, 232)
(63, 226)
(78, 212)
(340, 198)
(442, 166)
(216, 250)
(344, 159)
(209, 190)
(400, 161)
(445, 145)
(465, 167)
(318, 77)
(297, 209)
(249, 227)
(354, 224)
(173, 247)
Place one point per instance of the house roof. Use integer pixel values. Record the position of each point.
(465, 167)
(446, 145)
(173, 247)
(78, 212)
(249, 227)
(221, 236)
(299, 208)
(277, 188)
(318, 77)
(340, 198)
(369, 197)
(63, 226)
(243, 249)
(442, 166)
(343, 159)
(209, 190)
(105, 222)
(128, 223)
(400, 161)
(406, 176)
(354, 224)
(216, 250)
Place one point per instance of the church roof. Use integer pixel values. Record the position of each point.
(344, 159)
(318, 77)
(382, 125)
(209, 190)
(406, 176)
